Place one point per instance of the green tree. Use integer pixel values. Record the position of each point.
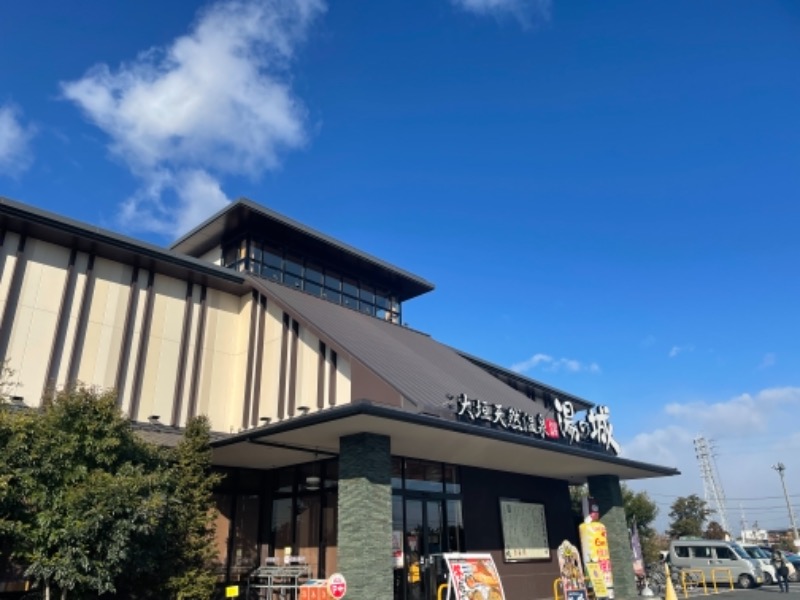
(714, 531)
(91, 510)
(90, 486)
(194, 514)
(641, 512)
(639, 509)
(688, 514)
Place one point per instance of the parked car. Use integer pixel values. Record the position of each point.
(714, 558)
(792, 558)
(762, 556)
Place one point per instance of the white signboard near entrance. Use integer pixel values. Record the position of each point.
(524, 530)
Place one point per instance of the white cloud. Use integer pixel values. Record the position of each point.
(526, 12)
(548, 363)
(768, 361)
(748, 434)
(15, 138)
(217, 101)
(675, 350)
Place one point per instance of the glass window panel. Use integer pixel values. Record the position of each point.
(382, 301)
(222, 530)
(455, 526)
(332, 296)
(350, 302)
(333, 281)
(423, 476)
(329, 532)
(367, 294)
(397, 546)
(294, 265)
(433, 543)
(367, 308)
(314, 273)
(331, 473)
(350, 287)
(250, 480)
(245, 542)
(272, 257)
(282, 526)
(271, 273)
(255, 250)
(313, 288)
(452, 479)
(229, 255)
(309, 513)
(382, 314)
(284, 481)
(397, 473)
(292, 280)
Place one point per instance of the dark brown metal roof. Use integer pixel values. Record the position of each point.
(245, 215)
(423, 370)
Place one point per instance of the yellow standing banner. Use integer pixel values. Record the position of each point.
(596, 556)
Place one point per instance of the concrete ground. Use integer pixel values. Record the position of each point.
(765, 592)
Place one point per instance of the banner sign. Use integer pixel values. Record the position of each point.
(473, 577)
(569, 564)
(594, 429)
(594, 541)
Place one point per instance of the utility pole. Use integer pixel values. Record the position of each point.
(780, 469)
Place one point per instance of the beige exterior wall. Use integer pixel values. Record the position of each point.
(34, 323)
(163, 347)
(214, 256)
(224, 360)
(106, 324)
(221, 380)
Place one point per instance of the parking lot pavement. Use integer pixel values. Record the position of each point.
(766, 592)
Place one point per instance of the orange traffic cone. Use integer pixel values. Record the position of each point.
(669, 589)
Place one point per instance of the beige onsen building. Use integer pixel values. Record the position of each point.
(345, 437)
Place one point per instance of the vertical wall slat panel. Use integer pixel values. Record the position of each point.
(10, 309)
(141, 355)
(198, 353)
(64, 311)
(177, 401)
(83, 320)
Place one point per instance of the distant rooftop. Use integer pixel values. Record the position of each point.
(243, 216)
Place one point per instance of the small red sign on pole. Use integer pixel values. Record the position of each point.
(337, 586)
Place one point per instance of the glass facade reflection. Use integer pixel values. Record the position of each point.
(280, 265)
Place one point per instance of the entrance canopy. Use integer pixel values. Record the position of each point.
(316, 436)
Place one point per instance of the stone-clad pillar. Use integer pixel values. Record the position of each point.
(365, 515)
(606, 491)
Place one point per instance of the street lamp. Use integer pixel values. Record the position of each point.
(780, 468)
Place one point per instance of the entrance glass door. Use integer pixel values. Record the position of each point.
(423, 538)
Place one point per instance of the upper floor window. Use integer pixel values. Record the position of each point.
(276, 264)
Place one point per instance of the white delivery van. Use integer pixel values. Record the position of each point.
(717, 559)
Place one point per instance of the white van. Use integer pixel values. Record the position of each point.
(714, 558)
(763, 558)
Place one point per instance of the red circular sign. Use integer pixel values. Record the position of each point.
(337, 586)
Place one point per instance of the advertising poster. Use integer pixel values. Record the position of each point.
(594, 541)
(571, 570)
(397, 549)
(473, 577)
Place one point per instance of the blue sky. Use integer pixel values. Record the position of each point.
(604, 193)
